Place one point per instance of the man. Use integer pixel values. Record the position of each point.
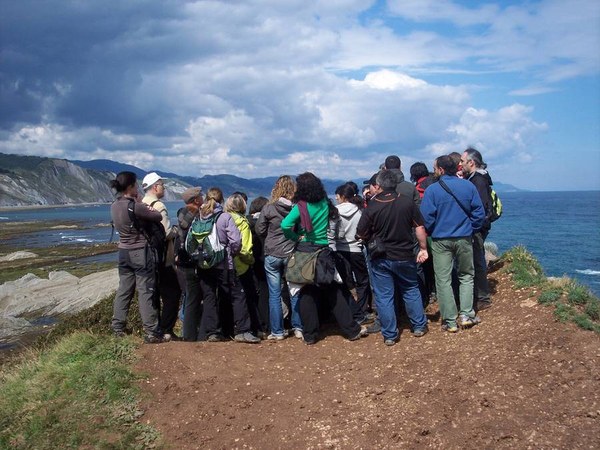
(168, 285)
(390, 219)
(403, 187)
(473, 169)
(192, 197)
(451, 227)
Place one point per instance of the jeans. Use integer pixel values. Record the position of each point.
(445, 252)
(384, 272)
(274, 269)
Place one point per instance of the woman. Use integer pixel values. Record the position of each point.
(277, 249)
(222, 277)
(419, 174)
(308, 225)
(244, 260)
(349, 206)
(137, 264)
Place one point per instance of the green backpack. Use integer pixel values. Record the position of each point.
(202, 242)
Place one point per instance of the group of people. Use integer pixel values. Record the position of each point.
(291, 261)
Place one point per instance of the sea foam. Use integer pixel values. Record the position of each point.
(588, 272)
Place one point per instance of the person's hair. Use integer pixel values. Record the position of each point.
(258, 204)
(213, 196)
(418, 170)
(456, 157)
(348, 192)
(309, 188)
(243, 194)
(123, 181)
(354, 186)
(475, 156)
(448, 164)
(386, 179)
(283, 187)
(236, 203)
(392, 162)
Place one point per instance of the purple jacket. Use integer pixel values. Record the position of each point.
(229, 235)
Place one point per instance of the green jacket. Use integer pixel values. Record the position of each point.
(319, 214)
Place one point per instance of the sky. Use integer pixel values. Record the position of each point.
(260, 88)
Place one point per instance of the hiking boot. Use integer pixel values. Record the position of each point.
(366, 319)
(275, 337)
(375, 327)
(465, 321)
(171, 337)
(420, 332)
(481, 305)
(361, 333)
(153, 339)
(246, 337)
(215, 338)
(298, 333)
(119, 333)
(449, 328)
(390, 342)
(309, 341)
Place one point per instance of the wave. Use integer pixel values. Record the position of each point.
(3, 218)
(588, 272)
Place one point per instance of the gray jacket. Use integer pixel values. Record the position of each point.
(268, 226)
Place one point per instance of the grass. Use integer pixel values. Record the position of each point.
(572, 301)
(80, 393)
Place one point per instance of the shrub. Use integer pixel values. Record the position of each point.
(524, 267)
(550, 296)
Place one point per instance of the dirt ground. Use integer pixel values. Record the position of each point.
(518, 380)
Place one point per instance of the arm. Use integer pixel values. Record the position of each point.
(262, 225)
(422, 238)
(477, 211)
(428, 210)
(288, 223)
(234, 238)
(143, 212)
(363, 229)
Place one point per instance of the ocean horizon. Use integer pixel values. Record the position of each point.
(560, 228)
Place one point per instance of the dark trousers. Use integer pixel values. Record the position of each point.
(360, 278)
(192, 306)
(170, 293)
(231, 293)
(481, 289)
(336, 296)
(247, 280)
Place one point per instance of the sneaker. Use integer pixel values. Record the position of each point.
(171, 337)
(309, 341)
(465, 321)
(215, 338)
(361, 333)
(275, 337)
(298, 333)
(390, 342)
(375, 327)
(153, 339)
(449, 328)
(246, 337)
(420, 332)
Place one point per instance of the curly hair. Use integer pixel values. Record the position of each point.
(213, 196)
(283, 187)
(309, 188)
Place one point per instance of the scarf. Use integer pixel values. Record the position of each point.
(305, 221)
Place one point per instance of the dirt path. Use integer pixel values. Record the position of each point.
(519, 380)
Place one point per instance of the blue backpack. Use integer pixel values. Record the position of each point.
(202, 242)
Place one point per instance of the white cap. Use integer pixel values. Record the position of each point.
(150, 179)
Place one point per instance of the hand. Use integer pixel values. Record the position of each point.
(422, 256)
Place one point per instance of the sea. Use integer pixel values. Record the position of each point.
(561, 229)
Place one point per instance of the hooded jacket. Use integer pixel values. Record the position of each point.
(244, 259)
(268, 226)
(345, 239)
(229, 235)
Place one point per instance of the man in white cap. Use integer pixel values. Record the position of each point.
(168, 285)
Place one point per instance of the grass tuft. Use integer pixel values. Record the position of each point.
(79, 393)
(550, 295)
(525, 269)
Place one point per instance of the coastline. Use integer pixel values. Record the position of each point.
(61, 205)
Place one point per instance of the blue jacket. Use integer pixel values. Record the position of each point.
(443, 217)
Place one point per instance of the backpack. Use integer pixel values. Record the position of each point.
(202, 242)
(496, 211)
(154, 232)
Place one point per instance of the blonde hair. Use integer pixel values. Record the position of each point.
(236, 203)
(284, 187)
(213, 196)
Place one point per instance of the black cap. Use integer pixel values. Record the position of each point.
(371, 181)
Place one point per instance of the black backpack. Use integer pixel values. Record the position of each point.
(154, 232)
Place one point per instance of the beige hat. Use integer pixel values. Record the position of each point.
(191, 193)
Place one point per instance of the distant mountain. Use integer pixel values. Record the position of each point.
(34, 180)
